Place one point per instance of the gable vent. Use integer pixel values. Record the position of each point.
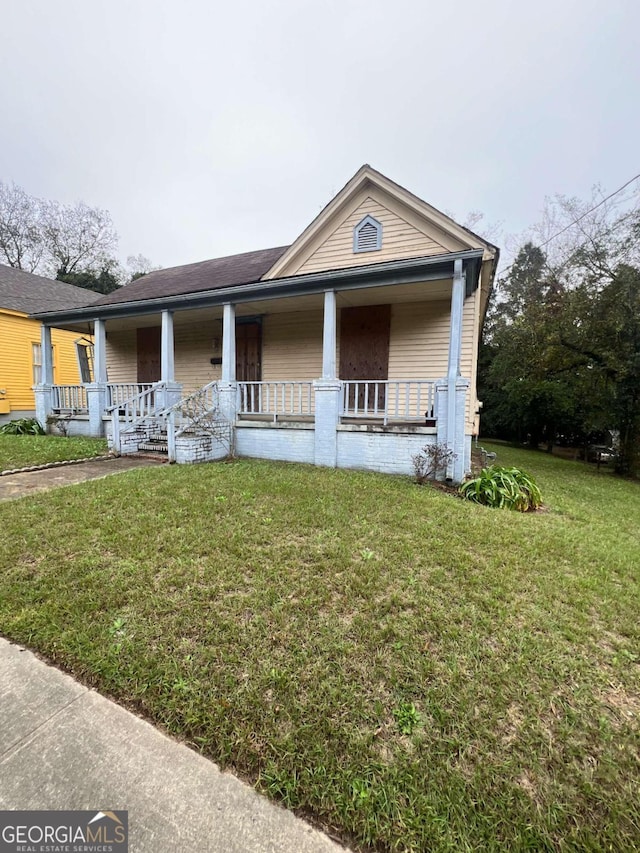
(367, 235)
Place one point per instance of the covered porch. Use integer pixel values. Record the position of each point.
(360, 370)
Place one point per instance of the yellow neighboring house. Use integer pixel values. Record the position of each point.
(21, 294)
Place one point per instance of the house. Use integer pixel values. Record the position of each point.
(355, 346)
(22, 294)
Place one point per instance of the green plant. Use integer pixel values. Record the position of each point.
(504, 488)
(22, 426)
(407, 717)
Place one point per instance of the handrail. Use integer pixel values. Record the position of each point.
(130, 410)
(276, 397)
(156, 386)
(184, 400)
(389, 399)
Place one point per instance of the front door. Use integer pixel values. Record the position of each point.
(249, 352)
(148, 343)
(364, 349)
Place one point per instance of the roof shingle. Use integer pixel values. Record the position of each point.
(30, 294)
(246, 268)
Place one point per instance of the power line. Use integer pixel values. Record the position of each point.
(579, 218)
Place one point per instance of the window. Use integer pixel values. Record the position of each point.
(367, 235)
(36, 350)
(84, 353)
(36, 357)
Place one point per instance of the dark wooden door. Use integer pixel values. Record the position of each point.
(148, 342)
(248, 352)
(364, 348)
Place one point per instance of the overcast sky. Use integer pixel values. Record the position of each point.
(208, 128)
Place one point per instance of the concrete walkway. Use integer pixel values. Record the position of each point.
(29, 482)
(63, 746)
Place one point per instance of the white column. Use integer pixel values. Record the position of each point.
(229, 343)
(455, 346)
(329, 336)
(167, 369)
(46, 356)
(99, 352)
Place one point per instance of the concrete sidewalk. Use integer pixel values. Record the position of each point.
(63, 746)
(30, 482)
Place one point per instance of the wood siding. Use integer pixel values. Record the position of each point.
(420, 342)
(17, 334)
(400, 239)
(292, 347)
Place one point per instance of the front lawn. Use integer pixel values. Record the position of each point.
(20, 451)
(415, 672)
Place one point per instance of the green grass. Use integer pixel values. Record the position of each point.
(415, 672)
(20, 451)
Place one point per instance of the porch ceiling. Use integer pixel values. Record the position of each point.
(387, 295)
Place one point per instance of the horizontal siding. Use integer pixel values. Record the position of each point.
(419, 346)
(193, 354)
(400, 239)
(122, 359)
(292, 346)
(17, 334)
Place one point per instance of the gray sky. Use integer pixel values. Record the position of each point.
(209, 128)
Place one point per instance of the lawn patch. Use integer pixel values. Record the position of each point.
(417, 672)
(21, 451)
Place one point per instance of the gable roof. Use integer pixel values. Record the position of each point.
(246, 268)
(28, 293)
(451, 235)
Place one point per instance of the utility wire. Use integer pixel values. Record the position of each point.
(581, 217)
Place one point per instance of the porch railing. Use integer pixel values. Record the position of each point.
(70, 398)
(120, 392)
(127, 414)
(276, 399)
(403, 400)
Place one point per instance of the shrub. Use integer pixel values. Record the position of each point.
(505, 488)
(432, 460)
(23, 426)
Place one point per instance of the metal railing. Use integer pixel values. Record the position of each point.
(121, 392)
(276, 399)
(403, 400)
(70, 398)
(135, 410)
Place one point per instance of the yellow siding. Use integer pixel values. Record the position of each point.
(17, 334)
(400, 239)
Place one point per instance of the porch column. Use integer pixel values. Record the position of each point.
(97, 390)
(46, 356)
(44, 390)
(167, 369)
(229, 343)
(228, 387)
(455, 399)
(329, 336)
(328, 391)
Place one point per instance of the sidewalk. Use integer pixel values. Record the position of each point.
(63, 746)
(29, 482)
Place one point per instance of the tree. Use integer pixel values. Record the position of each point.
(138, 266)
(78, 238)
(21, 242)
(561, 345)
(105, 280)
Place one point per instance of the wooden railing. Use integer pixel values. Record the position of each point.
(402, 400)
(70, 398)
(276, 399)
(120, 392)
(127, 414)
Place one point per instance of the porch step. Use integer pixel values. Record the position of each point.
(154, 445)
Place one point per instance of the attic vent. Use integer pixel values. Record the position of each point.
(367, 235)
